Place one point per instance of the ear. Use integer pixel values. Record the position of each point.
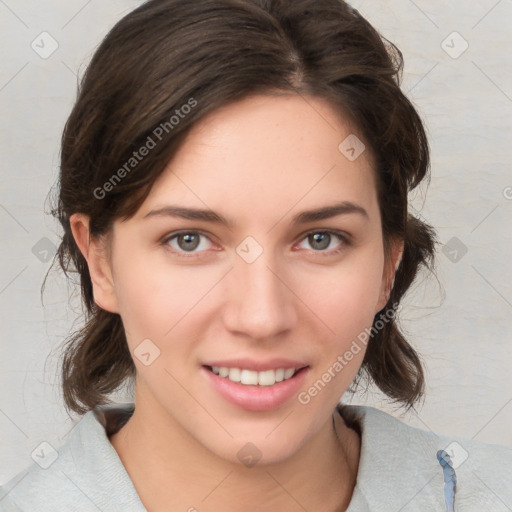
(94, 250)
(390, 267)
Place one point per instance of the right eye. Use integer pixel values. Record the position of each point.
(183, 242)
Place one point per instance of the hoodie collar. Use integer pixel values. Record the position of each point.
(398, 468)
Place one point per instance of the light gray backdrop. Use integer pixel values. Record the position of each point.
(458, 71)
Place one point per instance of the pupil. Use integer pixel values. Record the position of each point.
(189, 241)
(322, 238)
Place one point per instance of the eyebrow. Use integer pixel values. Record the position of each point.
(317, 214)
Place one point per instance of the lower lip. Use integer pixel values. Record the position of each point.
(256, 398)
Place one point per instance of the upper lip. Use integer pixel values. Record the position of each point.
(259, 366)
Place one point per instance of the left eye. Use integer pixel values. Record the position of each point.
(321, 240)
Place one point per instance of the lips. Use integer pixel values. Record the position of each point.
(252, 395)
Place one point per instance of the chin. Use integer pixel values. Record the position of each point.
(259, 447)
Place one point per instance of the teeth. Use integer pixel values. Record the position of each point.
(267, 378)
(250, 377)
(231, 373)
(288, 373)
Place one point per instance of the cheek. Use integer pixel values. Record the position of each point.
(156, 297)
(345, 299)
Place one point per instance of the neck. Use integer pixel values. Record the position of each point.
(172, 471)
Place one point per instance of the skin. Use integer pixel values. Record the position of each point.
(258, 162)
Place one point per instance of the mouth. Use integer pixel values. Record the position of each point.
(248, 377)
(253, 390)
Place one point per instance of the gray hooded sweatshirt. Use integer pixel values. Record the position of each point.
(401, 469)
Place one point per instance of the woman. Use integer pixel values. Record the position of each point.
(271, 138)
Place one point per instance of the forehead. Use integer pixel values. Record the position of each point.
(262, 155)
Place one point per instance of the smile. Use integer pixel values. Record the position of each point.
(255, 390)
(254, 378)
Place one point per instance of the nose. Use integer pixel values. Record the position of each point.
(260, 303)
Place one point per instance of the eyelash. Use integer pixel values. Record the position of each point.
(344, 238)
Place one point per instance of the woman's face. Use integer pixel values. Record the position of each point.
(257, 290)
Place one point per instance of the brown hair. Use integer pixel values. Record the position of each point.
(166, 65)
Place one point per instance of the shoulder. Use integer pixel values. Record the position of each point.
(84, 474)
(400, 465)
